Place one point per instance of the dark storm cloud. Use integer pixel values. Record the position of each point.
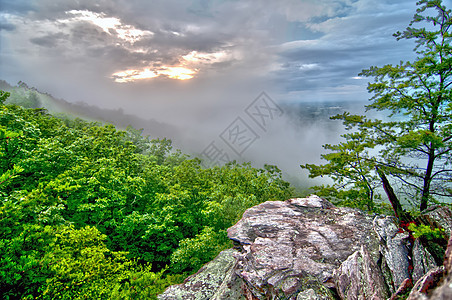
(16, 6)
(84, 34)
(49, 40)
(56, 9)
(347, 45)
(6, 26)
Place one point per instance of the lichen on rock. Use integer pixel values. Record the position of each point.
(357, 278)
(208, 282)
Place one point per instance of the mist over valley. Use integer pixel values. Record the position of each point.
(295, 136)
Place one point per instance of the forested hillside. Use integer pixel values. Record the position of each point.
(92, 212)
(30, 97)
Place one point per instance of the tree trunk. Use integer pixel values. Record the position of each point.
(431, 150)
(427, 179)
(400, 214)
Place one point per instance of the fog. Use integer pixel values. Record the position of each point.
(290, 137)
(188, 70)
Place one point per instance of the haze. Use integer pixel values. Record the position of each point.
(198, 65)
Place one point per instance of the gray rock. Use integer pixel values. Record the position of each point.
(359, 277)
(403, 289)
(448, 256)
(426, 283)
(395, 247)
(437, 283)
(232, 286)
(439, 215)
(422, 261)
(284, 241)
(210, 282)
(444, 290)
(312, 289)
(308, 294)
(301, 248)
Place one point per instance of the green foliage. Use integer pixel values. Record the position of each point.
(25, 98)
(82, 265)
(353, 197)
(350, 165)
(413, 145)
(144, 284)
(10, 174)
(91, 212)
(3, 96)
(194, 252)
(434, 239)
(426, 231)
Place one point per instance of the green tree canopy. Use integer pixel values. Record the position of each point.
(88, 211)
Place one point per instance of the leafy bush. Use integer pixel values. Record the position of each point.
(426, 231)
(194, 252)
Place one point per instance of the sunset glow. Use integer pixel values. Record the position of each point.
(179, 73)
(132, 75)
(190, 64)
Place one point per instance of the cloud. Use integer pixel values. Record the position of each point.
(16, 7)
(6, 26)
(133, 54)
(348, 43)
(177, 51)
(300, 45)
(110, 25)
(50, 40)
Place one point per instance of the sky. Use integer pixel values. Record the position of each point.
(199, 64)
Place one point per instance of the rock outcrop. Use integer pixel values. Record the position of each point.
(208, 282)
(439, 216)
(356, 278)
(281, 242)
(394, 248)
(436, 284)
(309, 249)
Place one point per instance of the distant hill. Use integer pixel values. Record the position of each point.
(30, 97)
